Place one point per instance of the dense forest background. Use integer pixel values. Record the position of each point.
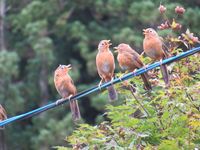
(38, 35)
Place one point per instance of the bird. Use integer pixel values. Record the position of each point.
(66, 88)
(105, 66)
(3, 116)
(154, 49)
(130, 61)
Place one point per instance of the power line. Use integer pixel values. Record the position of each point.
(95, 88)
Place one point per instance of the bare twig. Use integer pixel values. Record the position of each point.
(130, 87)
(98, 20)
(70, 12)
(2, 27)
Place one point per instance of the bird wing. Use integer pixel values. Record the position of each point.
(72, 86)
(165, 53)
(135, 58)
(3, 112)
(163, 47)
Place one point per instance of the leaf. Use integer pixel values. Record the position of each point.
(59, 147)
(186, 44)
(187, 32)
(173, 24)
(195, 123)
(152, 120)
(191, 42)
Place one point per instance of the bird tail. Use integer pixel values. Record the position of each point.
(165, 73)
(146, 82)
(112, 93)
(75, 110)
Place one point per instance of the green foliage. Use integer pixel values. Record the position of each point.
(166, 118)
(41, 34)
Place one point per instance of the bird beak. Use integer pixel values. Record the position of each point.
(117, 50)
(107, 43)
(145, 32)
(68, 67)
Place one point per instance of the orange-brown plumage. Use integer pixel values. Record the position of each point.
(105, 67)
(3, 116)
(130, 60)
(153, 47)
(66, 88)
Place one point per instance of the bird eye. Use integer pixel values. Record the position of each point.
(62, 68)
(150, 31)
(102, 44)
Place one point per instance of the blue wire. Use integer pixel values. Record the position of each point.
(95, 88)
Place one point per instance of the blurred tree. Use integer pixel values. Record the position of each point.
(38, 35)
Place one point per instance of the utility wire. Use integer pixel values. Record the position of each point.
(95, 88)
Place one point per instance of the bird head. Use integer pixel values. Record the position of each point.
(104, 44)
(64, 68)
(149, 31)
(121, 47)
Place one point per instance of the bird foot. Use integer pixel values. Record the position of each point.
(64, 98)
(99, 86)
(58, 101)
(111, 81)
(134, 71)
(120, 78)
(142, 54)
(160, 62)
(69, 97)
(145, 67)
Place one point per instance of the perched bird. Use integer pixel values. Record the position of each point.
(130, 61)
(66, 88)
(153, 47)
(3, 116)
(105, 67)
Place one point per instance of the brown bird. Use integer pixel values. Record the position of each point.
(153, 47)
(105, 67)
(3, 116)
(66, 88)
(130, 61)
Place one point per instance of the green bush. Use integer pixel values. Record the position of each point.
(166, 118)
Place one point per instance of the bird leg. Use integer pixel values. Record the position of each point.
(134, 71)
(160, 62)
(69, 97)
(120, 78)
(100, 83)
(58, 101)
(146, 66)
(111, 81)
(142, 54)
(124, 75)
(151, 62)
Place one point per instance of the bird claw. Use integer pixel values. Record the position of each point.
(69, 97)
(111, 81)
(134, 71)
(160, 62)
(120, 78)
(145, 67)
(64, 98)
(142, 54)
(99, 86)
(58, 101)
